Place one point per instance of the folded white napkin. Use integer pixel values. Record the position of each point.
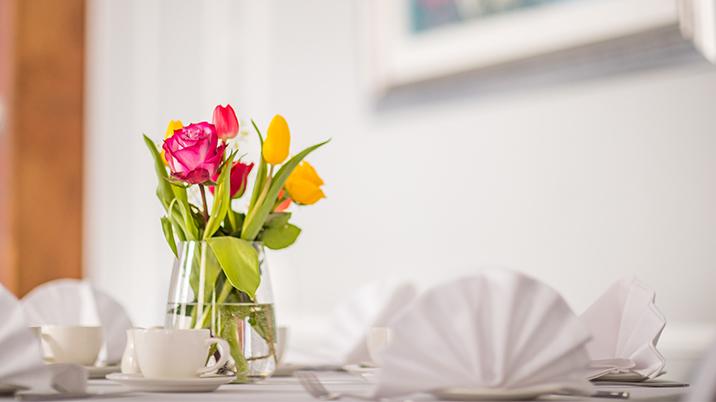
(21, 363)
(75, 302)
(497, 330)
(625, 326)
(341, 338)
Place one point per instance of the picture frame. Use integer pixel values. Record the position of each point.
(400, 57)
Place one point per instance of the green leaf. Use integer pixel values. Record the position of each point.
(257, 215)
(164, 189)
(277, 219)
(261, 138)
(176, 220)
(169, 234)
(176, 182)
(183, 218)
(222, 201)
(240, 262)
(167, 193)
(178, 230)
(280, 237)
(180, 193)
(260, 172)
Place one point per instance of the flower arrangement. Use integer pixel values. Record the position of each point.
(199, 175)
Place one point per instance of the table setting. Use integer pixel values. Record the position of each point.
(496, 334)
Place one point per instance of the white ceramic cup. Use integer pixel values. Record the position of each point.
(72, 344)
(177, 353)
(378, 339)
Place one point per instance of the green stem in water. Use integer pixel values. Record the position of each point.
(225, 290)
(202, 278)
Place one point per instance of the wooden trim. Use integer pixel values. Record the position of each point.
(8, 275)
(46, 142)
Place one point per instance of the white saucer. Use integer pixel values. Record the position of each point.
(96, 372)
(200, 384)
(496, 394)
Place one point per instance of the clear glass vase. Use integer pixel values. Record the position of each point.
(201, 297)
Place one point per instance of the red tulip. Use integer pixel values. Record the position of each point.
(193, 153)
(227, 126)
(239, 178)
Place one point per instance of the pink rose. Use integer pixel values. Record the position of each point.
(193, 153)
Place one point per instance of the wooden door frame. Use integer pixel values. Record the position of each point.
(41, 173)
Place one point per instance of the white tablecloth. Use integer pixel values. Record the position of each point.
(289, 389)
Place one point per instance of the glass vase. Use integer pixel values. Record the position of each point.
(200, 296)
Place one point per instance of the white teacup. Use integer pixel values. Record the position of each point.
(177, 353)
(71, 344)
(378, 339)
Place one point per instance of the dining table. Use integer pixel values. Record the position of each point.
(288, 388)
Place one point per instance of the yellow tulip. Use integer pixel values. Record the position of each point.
(304, 185)
(277, 142)
(173, 125)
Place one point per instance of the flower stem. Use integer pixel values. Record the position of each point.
(203, 200)
(262, 196)
(204, 320)
(232, 219)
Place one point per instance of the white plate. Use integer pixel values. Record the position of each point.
(96, 372)
(200, 384)
(496, 394)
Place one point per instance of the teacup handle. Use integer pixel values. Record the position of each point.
(51, 342)
(223, 347)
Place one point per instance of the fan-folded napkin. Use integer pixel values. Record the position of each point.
(21, 360)
(625, 325)
(498, 330)
(75, 302)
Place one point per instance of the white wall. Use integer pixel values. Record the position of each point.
(578, 184)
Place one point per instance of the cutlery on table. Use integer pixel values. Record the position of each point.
(313, 386)
(600, 394)
(610, 394)
(646, 384)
